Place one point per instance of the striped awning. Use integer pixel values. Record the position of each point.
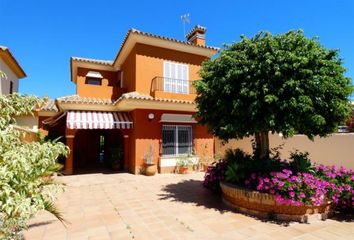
(98, 120)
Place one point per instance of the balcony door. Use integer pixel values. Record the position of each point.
(176, 78)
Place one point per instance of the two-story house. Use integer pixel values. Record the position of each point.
(143, 98)
(12, 69)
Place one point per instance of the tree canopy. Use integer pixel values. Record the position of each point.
(284, 83)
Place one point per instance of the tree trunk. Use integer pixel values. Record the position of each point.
(262, 145)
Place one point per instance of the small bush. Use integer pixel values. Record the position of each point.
(215, 174)
(239, 165)
(300, 162)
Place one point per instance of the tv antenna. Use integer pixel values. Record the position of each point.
(185, 19)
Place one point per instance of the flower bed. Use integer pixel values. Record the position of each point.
(265, 205)
(307, 188)
(289, 190)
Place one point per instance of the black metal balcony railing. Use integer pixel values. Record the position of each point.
(172, 85)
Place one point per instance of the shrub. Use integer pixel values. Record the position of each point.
(25, 169)
(215, 174)
(239, 165)
(300, 162)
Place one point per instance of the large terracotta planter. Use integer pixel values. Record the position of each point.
(263, 205)
(150, 169)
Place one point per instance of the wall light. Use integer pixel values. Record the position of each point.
(151, 116)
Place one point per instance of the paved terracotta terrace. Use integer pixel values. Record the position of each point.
(125, 206)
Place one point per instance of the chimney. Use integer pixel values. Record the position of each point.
(197, 35)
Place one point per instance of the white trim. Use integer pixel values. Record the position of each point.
(94, 74)
(168, 162)
(171, 161)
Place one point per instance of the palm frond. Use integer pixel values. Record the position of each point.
(51, 208)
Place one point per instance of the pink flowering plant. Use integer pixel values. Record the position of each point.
(307, 188)
(297, 182)
(215, 174)
(341, 181)
(289, 188)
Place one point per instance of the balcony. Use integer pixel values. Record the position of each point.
(162, 87)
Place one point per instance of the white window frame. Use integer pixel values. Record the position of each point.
(176, 139)
(173, 84)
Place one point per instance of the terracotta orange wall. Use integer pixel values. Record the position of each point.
(203, 142)
(109, 88)
(128, 67)
(147, 132)
(149, 64)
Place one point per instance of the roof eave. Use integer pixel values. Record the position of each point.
(132, 104)
(13, 63)
(86, 106)
(75, 64)
(46, 113)
(135, 36)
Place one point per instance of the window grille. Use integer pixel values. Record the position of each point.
(176, 139)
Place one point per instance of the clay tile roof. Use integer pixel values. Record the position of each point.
(138, 96)
(196, 28)
(135, 95)
(174, 100)
(91, 60)
(84, 100)
(133, 30)
(3, 48)
(50, 106)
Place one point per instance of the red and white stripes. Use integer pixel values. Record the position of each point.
(98, 120)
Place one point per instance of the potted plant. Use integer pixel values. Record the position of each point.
(150, 167)
(182, 164)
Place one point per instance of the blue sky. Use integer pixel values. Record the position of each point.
(44, 34)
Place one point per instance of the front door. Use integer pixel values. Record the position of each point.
(98, 149)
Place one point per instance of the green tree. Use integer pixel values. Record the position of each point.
(284, 83)
(26, 186)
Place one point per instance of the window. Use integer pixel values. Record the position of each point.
(93, 81)
(176, 78)
(11, 87)
(176, 139)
